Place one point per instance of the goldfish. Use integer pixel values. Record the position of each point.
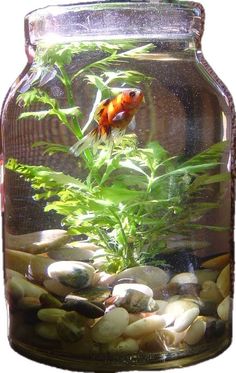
(113, 116)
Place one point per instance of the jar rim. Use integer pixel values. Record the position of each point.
(86, 19)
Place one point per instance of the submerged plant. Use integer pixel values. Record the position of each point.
(132, 200)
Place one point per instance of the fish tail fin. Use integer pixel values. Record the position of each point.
(87, 141)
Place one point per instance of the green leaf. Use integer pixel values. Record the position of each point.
(99, 83)
(51, 148)
(39, 115)
(117, 193)
(213, 228)
(43, 177)
(132, 166)
(159, 153)
(36, 95)
(211, 155)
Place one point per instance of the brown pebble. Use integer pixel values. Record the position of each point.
(165, 292)
(190, 289)
(85, 308)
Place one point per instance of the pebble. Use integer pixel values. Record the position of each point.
(105, 279)
(111, 326)
(224, 309)
(206, 275)
(121, 289)
(85, 308)
(208, 308)
(13, 274)
(29, 303)
(151, 343)
(218, 262)
(135, 301)
(49, 301)
(165, 292)
(31, 266)
(182, 259)
(97, 294)
(14, 289)
(69, 252)
(223, 281)
(55, 287)
(196, 332)
(183, 321)
(178, 307)
(190, 289)
(47, 331)
(85, 245)
(170, 337)
(77, 275)
(147, 275)
(128, 345)
(184, 278)
(99, 258)
(214, 329)
(20, 287)
(38, 268)
(70, 327)
(210, 292)
(145, 326)
(161, 307)
(37, 242)
(51, 315)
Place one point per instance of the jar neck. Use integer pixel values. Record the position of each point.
(106, 20)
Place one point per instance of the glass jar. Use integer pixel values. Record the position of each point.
(118, 190)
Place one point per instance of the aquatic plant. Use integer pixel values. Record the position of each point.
(128, 202)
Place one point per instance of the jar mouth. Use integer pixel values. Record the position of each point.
(104, 20)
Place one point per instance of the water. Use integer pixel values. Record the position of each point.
(145, 202)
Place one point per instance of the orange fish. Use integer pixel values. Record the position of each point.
(113, 116)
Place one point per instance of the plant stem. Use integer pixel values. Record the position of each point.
(77, 130)
(129, 258)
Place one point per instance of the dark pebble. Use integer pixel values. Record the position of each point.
(98, 294)
(215, 329)
(208, 308)
(180, 261)
(84, 308)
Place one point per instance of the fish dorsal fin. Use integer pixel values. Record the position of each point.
(100, 108)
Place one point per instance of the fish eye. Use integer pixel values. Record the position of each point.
(132, 93)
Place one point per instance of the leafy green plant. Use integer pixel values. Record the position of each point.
(129, 203)
(132, 200)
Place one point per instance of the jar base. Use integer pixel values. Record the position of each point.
(106, 364)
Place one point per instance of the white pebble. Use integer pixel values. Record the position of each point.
(223, 281)
(184, 278)
(145, 326)
(224, 309)
(196, 332)
(178, 307)
(121, 289)
(148, 275)
(185, 320)
(110, 326)
(124, 345)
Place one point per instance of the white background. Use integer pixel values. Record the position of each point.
(219, 49)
